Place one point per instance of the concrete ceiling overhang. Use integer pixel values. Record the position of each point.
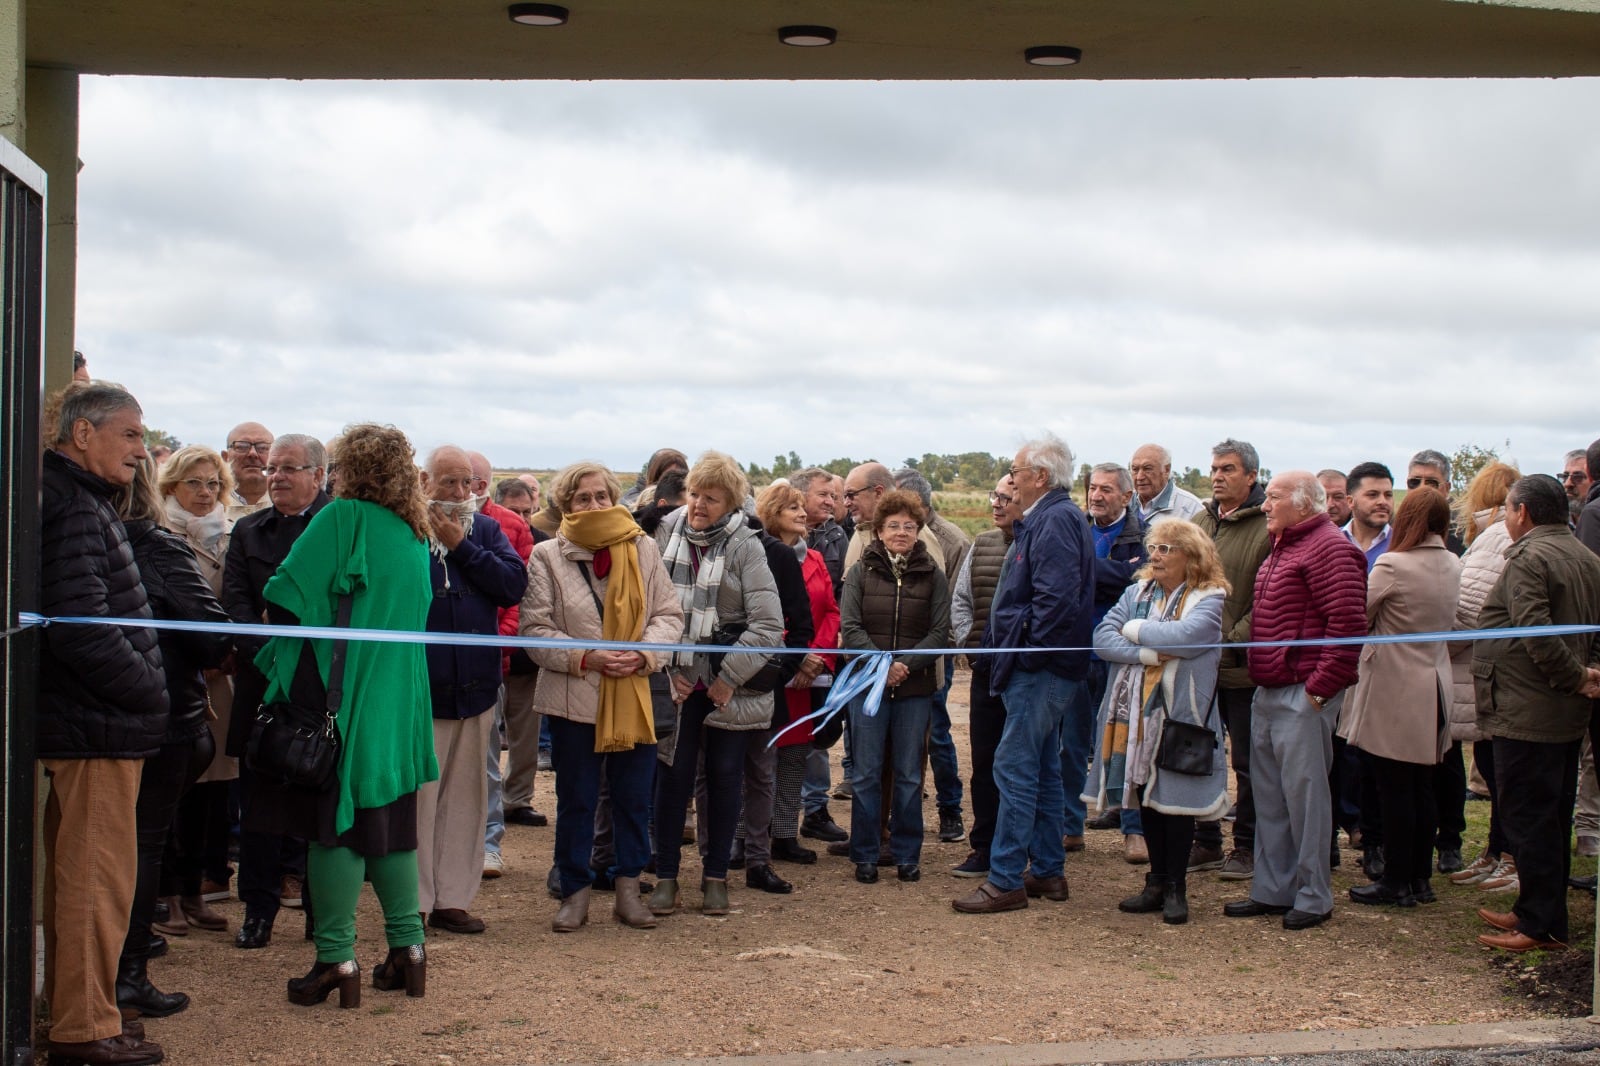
(878, 39)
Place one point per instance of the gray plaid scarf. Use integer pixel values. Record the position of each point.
(697, 589)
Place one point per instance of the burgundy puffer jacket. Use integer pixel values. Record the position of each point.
(1313, 584)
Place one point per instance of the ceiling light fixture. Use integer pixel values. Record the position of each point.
(1053, 55)
(808, 36)
(538, 14)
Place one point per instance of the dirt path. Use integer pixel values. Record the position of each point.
(837, 965)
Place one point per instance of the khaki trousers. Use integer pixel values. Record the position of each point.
(522, 741)
(91, 863)
(450, 815)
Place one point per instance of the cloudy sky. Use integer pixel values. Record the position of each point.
(1334, 270)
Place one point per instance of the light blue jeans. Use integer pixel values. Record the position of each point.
(900, 726)
(494, 829)
(1027, 773)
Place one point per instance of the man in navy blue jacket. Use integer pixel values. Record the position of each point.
(475, 573)
(1044, 601)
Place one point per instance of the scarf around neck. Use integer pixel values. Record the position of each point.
(697, 585)
(206, 531)
(623, 718)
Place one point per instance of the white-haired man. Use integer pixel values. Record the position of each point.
(1044, 600)
(1160, 495)
(1313, 586)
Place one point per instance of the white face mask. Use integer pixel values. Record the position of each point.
(460, 510)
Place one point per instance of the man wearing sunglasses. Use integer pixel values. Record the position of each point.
(246, 451)
(1575, 478)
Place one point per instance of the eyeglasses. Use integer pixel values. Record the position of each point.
(274, 471)
(851, 494)
(1568, 475)
(1418, 482)
(899, 527)
(245, 447)
(1161, 551)
(1000, 499)
(194, 484)
(1014, 471)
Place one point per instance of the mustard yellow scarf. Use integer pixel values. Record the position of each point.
(623, 718)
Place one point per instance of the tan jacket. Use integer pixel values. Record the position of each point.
(560, 604)
(1393, 711)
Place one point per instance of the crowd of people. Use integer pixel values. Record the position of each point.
(1125, 658)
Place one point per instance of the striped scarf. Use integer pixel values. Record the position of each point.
(697, 585)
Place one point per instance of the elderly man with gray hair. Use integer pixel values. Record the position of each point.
(1313, 586)
(1160, 496)
(1044, 602)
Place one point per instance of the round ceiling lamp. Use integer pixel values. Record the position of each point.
(538, 14)
(1053, 55)
(808, 36)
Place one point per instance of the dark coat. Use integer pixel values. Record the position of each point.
(481, 575)
(1046, 594)
(179, 592)
(261, 540)
(1115, 572)
(798, 628)
(1589, 520)
(879, 613)
(102, 692)
(1243, 543)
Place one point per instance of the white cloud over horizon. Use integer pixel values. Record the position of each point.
(1334, 270)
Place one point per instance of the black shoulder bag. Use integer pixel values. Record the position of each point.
(298, 746)
(1187, 748)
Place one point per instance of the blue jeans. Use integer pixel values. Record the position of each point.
(814, 790)
(494, 829)
(941, 749)
(1027, 771)
(629, 776)
(724, 762)
(900, 726)
(1076, 739)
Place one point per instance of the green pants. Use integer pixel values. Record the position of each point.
(336, 875)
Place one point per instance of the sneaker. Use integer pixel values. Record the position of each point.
(292, 893)
(215, 891)
(974, 865)
(951, 830)
(1240, 865)
(819, 825)
(1481, 869)
(493, 865)
(1204, 858)
(1504, 878)
(843, 791)
(544, 761)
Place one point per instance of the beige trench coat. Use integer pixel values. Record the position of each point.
(1395, 710)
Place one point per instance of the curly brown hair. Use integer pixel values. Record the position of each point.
(898, 501)
(378, 464)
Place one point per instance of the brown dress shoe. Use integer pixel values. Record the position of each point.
(987, 899)
(116, 1050)
(455, 920)
(1500, 920)
(1518, 942)
(1072, 843)
(201, 915)
(1052, 888)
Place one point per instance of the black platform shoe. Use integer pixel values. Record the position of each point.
(323, 978)
(404, 968)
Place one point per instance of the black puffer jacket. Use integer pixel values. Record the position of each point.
(178, 591)
(102, 693)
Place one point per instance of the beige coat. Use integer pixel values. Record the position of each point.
(560, 605)
(1480, 569)
(1395, 709)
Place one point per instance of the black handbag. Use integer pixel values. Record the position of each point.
(774, 672)
(1187, 748)
(298, 746)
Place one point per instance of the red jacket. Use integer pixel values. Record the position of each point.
(1312, 584)
(521, 538)
(825, 618)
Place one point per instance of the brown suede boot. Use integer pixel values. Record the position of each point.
(574, 911)
(629, 909)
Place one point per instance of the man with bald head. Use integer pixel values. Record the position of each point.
(864, 486)
(475, 573)
(1313, 586)
(246, 451)
(1158, 494)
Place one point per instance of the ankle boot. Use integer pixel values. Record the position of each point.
(573, 912)
(322, 979)
(1175, 903)
(407, 967)
(1145, 902)
(174, 924)
(629, 909)
(664, 900)
(136, 993)
(200, 914)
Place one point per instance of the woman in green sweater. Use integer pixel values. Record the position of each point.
(370, 543)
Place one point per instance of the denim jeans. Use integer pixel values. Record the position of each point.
(941, 749)
(724, 763)
(494, 829)
(900, 726)
(629, 776)
(814, 792)
(1027, 771)
(1077, 728)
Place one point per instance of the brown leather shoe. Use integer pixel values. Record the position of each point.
(1499, 919)
(116, 1050)
(1052, 888)
(1072, 843)
(1518, 942)
(201, 915)
(987, 899)
(455, 920)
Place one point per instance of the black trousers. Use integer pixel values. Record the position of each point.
(199, 845)
(1483, 758)
(987, 716)
(264, 858)
(1344, 785)
(1234, 706)
(1450, 799)
(1371, 815)
(1410, 818)
(1537, 784)
(1169, 837)
(162, 782)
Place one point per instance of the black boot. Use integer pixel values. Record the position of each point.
(1175, 903)
(1146, 902)
(323, 978)
(404, 968)
(136, 993)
